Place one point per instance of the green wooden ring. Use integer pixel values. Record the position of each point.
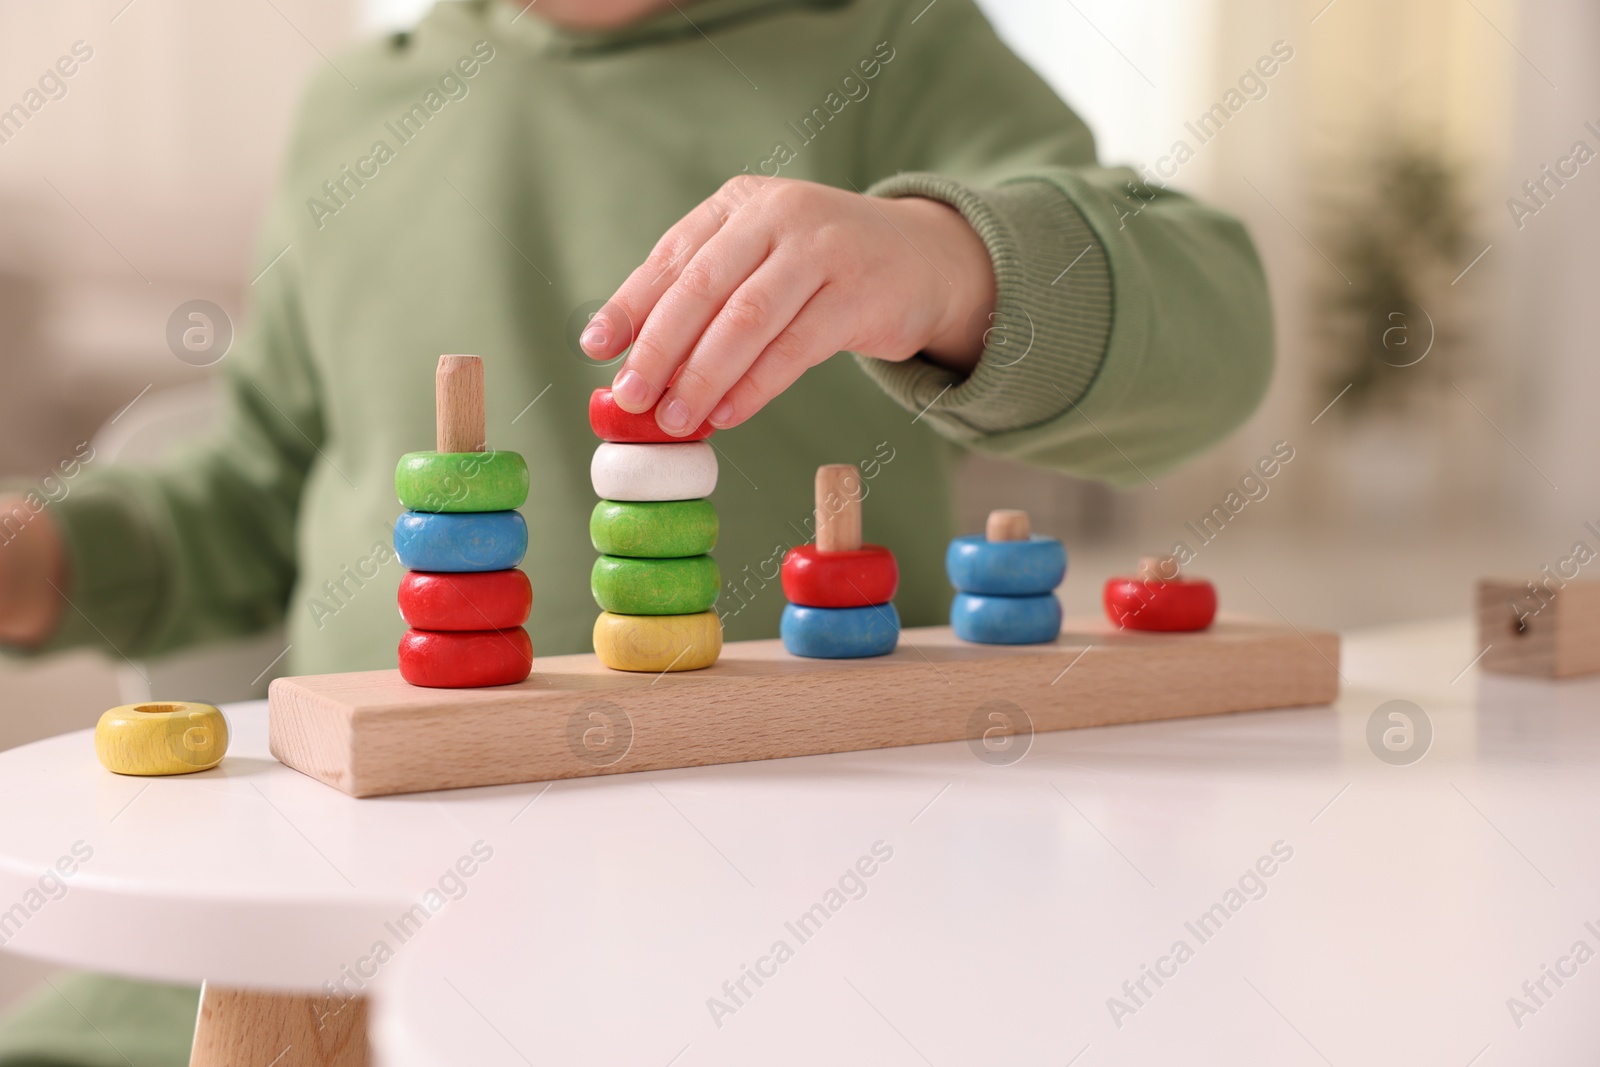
(654, 529)
(461, 481)
(655, 586)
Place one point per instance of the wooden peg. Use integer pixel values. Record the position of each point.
(458, 404)
(1008, 524)
(1158, 568)
(838, 508)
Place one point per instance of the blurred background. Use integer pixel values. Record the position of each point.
(1437, 372)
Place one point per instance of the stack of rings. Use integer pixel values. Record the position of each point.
(654, 581)
(1005, 589)
(840, 603)
(461, 539)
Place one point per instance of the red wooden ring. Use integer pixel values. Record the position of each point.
(465, 659)
(815, 579)
(472, 600)
(611, 423)
(1134, 604)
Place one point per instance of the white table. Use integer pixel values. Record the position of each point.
(1018, 899)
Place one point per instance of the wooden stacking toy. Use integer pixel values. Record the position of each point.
(161, 737)
(840, 591)
(1160, 599)
(461, 539)
(1546, 625)
(1005, 583)
(654, 581)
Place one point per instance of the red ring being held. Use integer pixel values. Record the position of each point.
(471, 600)
(465, 659)
(1170, 607)
(611, 423)
(854, 579)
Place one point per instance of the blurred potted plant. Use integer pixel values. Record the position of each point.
(1398, 225)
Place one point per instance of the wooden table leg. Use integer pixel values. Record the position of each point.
(247, 1028)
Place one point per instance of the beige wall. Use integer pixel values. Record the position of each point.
(1553, 269)
(1362, 68)
(138, 189)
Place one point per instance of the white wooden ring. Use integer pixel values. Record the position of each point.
(686, 471)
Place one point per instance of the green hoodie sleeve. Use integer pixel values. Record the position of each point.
(1132, 327)
(90, 1020)
(204, 547)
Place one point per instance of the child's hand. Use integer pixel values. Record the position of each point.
(33, 571)
(770, 277)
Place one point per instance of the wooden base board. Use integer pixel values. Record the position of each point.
(1535, 626)
(371, 734)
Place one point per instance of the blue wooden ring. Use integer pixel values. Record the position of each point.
(460, 541)
(1006, 620)
(975, 564)
(839, 633)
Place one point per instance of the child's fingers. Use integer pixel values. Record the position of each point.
(815, 334)
(747, 323)
(615, 325)
(682, 314)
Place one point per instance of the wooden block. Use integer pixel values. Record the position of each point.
(1006, 620)
(462, 659)
(1539, 627)
(458, 404)
(818, 579)
(653, 529)
(684, 586)
(838, 497)
(239, 1027)
(161, 737)
(839, 633)
(657, 644)
(473, 600)
(464, 541)
(685, 471)
(1007, 524)
(370, 734)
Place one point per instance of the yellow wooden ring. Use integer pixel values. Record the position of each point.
(658, 643)
(161, 737)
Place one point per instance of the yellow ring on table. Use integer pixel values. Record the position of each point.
(658, 643)
(159, 737)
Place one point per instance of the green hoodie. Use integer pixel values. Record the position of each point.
(481, 184)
